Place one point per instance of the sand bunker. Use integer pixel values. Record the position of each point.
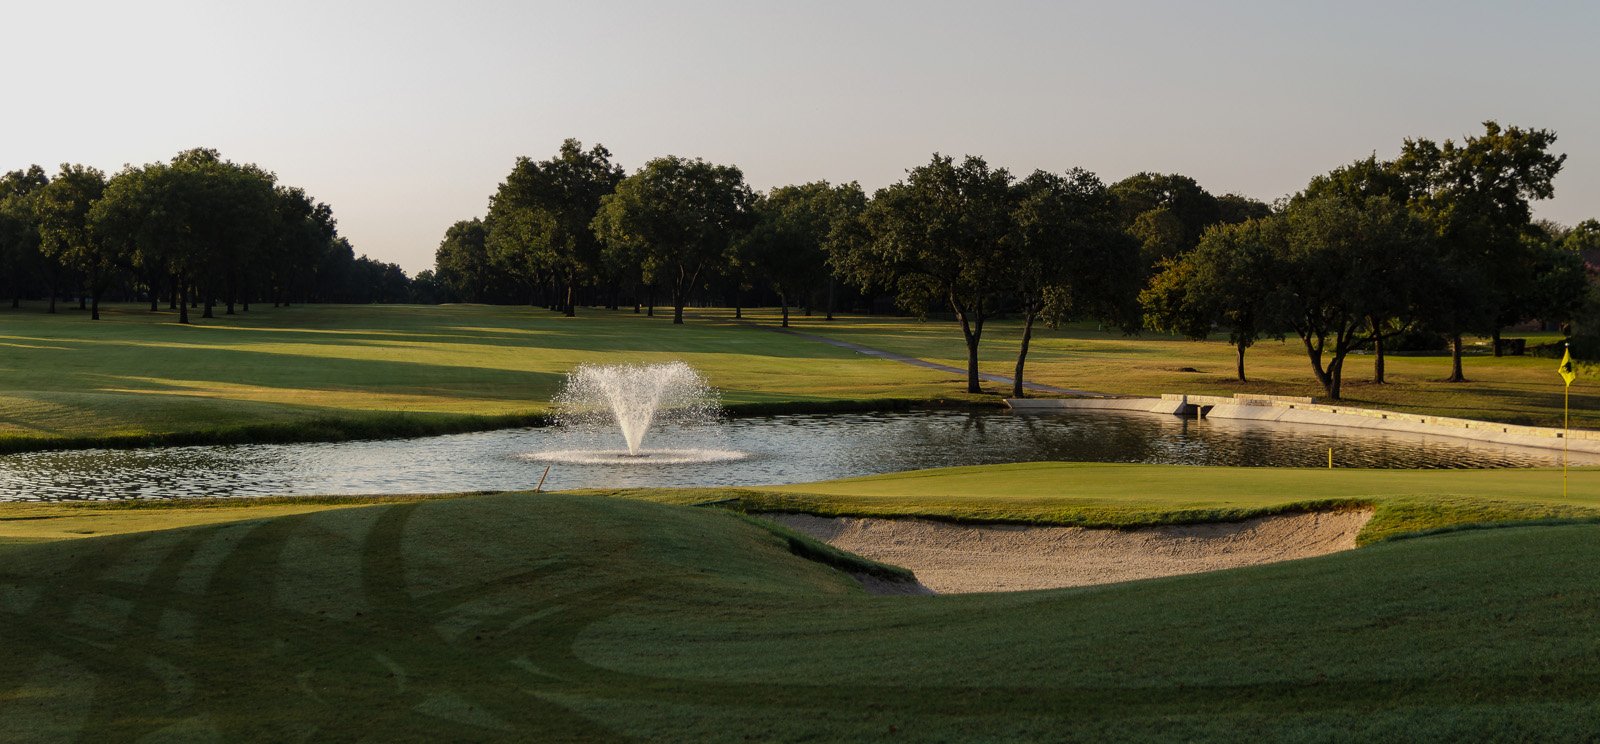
(963, 558)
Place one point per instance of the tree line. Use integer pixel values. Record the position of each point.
(198, 231)
(1438, 243)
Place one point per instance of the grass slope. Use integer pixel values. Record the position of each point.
(578, 618)
(331, 372)
(1124, 495)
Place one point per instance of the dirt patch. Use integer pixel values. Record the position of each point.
(963, 558)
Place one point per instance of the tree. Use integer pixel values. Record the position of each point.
(305, 229)
(1167, 213)
(462, 261)
(1230, 280)
(940, 237)
(1372, 178)
(678, 217)
(1341, 262)
(788, 247)
(1477, 197)
(19, 227)
(66, 238)
(540, 217)
(1233, 209)
(1066, 257)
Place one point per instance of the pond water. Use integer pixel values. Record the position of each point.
(775, 449)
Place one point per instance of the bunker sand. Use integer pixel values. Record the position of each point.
(963, 558)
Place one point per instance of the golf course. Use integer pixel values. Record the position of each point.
(336, 372)
(1459, 604)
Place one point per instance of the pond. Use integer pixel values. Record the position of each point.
(774, 449)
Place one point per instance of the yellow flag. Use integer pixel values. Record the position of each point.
(1567, 372)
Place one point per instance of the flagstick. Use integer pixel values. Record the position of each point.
(1566, 413)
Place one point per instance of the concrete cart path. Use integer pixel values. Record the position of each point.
(903, 359)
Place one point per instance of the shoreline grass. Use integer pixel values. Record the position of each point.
(1127, 496)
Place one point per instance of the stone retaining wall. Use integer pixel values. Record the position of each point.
(1293, 410)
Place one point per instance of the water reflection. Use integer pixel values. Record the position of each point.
(781, 449)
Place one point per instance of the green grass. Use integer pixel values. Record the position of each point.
(556, 617)
(1123, 495)
(336, 372)
(342, 372)
(1518, 390)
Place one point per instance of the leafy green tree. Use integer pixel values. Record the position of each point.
(1230, 280)
(940, 236)
(678, 218)
(788, 247)
(540, 218)
(19, 227)
(1584, 240)
(1233, 209)
(66, 238)
(1358, 181)
(305, 229)
(124, 219)
(462, 262)
(1340, 261)
(1066, 256)
(1477, 196)
(1167, 213)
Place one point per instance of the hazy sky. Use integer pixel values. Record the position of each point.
(404, 116)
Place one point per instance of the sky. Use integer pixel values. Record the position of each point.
(405, 116)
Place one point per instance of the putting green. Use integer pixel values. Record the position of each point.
(555, 617)
(1124, 495)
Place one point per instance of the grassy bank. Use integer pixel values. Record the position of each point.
(1119, 495)
(341, 372)
(558, 618)
(346, 372)
(1519, 390)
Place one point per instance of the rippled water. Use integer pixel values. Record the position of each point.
(779, 449)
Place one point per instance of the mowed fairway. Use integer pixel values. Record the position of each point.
(557, 617)
(1520, 390)
(331, 371)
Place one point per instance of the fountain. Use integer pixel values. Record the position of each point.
(629, 399)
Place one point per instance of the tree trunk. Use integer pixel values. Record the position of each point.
(172, 296)
(785, 304)
(677, 312)
(828, 311)
(1336, 375)
(1377, 359)
(1239, 360)
(650, 302)
(1314, 354)
(52, 301)
(1017, 390)
(738, 306)
(94, 307)
(571, 309)
(1495, 341)
(183, 301)
(973, 333)
(1455, 359)
(83, 300)
(230, 308)
(210, 304)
